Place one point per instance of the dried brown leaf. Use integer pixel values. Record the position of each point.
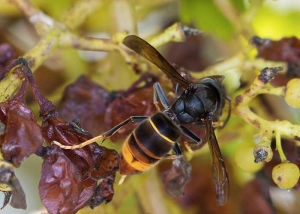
(177, 177)
(61, 183)
(22, 135)
(89, 163)
(16, 193)
(86, 101)
(138, 103)
(104, 192)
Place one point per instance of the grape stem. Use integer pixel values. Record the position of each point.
(58, 33)
(279, 147)
(267, 128)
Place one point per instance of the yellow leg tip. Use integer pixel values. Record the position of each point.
(188, 148)
(122, 179)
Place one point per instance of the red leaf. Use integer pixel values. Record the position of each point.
(91, 162)
(177, 177)
(86, 101)
(104, 192)
(61, 183)
(286, 49)
(17, 195)
(7, 54)
(138, 103)
(22, 133)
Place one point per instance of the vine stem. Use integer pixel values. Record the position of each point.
(279, 147)
(241, 107)
(284, 127)
(278, 91)
(176, 33)
(26, 7)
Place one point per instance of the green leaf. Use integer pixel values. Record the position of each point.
(207, 17)
(239, 5)
(275, 23)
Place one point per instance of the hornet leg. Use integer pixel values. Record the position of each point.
(104, 136)
(159, 94)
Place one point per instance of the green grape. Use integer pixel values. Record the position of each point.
(292, 94)
(285, 175)
(244, 159)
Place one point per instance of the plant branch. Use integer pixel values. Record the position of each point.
(176, 33)
(79, 12)
(258, 87)
(279, 147)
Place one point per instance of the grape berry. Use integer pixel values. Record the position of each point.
(285, 175)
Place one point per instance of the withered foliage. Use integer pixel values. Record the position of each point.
(21, 136)
(86, 101)
(177, 177)
(99, 110)
(123, 107)
(69, 177)
(285, 49)
(7, 55)
(104, 192)
(11, 187)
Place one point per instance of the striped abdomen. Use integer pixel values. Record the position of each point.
(153, 139)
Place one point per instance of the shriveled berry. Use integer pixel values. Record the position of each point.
(262, 153)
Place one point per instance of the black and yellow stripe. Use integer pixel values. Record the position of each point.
(153, 139)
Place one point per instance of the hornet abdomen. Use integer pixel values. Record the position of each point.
(151, 141)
